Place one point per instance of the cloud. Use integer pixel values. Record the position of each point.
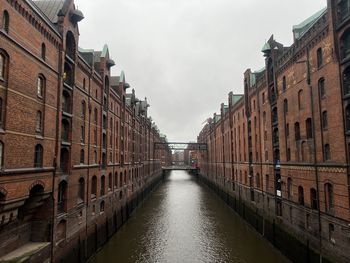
(187, 55)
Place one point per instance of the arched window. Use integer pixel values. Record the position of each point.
(346, 81)
(329, 201)
(38, 156)
(301, 195)
(319, 57)
(345, 44)
(321, 87)
(40, 87)
(1, 155)
(289, 188)
(70, 45)
(324, 120)
(327, 152)
(300, 99)
(6, 21)
(62, 197)
(308, 124)
(81, 190)
(66, 102)
(82, 156)
(83, 109)
(43, 51)
(110, 182)
(284, 83)
(103, 185)
(94, 187)
(313, 198)
(38, 126)
(65, 130)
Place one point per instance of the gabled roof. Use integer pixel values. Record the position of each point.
(50, 8)
(303, 27)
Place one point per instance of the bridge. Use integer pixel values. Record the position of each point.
(179, 167)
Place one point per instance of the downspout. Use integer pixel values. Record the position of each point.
(315, 165)
(58, 111)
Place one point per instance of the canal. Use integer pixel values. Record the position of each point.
(183, 221)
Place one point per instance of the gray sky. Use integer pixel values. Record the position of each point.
(187, 55)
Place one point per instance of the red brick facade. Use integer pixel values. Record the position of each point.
(76, 148)
(282, 148)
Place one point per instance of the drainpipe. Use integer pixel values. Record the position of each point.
(315, 165)
(59, 84)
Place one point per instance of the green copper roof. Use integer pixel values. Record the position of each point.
(303, 27)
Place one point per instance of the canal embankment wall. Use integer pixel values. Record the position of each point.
(86, 243)
(294, 245)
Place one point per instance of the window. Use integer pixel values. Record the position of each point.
(65, 130)
(64, 160)
(301, 195)
(331, 233)
(289, 188)
(274, 115)
(116, 180)
(43, 51)
(258, 180)
(285, 106)
(84, 83)
(38, 156)
(95, 157)
(347, 118)
(345, 44)
(324, 120)
(346, 81)
(102, 206)
(82, 156)
(313, 198)
(300, 97)
(83, 109)
(284, 83)
(343, 10)
(321, 87)
(82, 136)
(62, 197)
(1, 155)
(38, 126)
(70, 45)
(275, 136)
(95, 116)
(2, 66)
(40, 87)
(319, 57)
(81, 190)
(327, 152)
(93, 187)
(103, 185)
(6, 21)
(110, 183)
(328, 190)
(308, 124)
(66, 102)
(121, 179)
(288, 154)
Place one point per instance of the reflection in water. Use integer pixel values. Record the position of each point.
(183, 221)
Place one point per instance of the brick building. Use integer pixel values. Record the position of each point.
(76, 150)
(281, 150)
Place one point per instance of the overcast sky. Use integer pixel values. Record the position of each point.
(185, 56)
